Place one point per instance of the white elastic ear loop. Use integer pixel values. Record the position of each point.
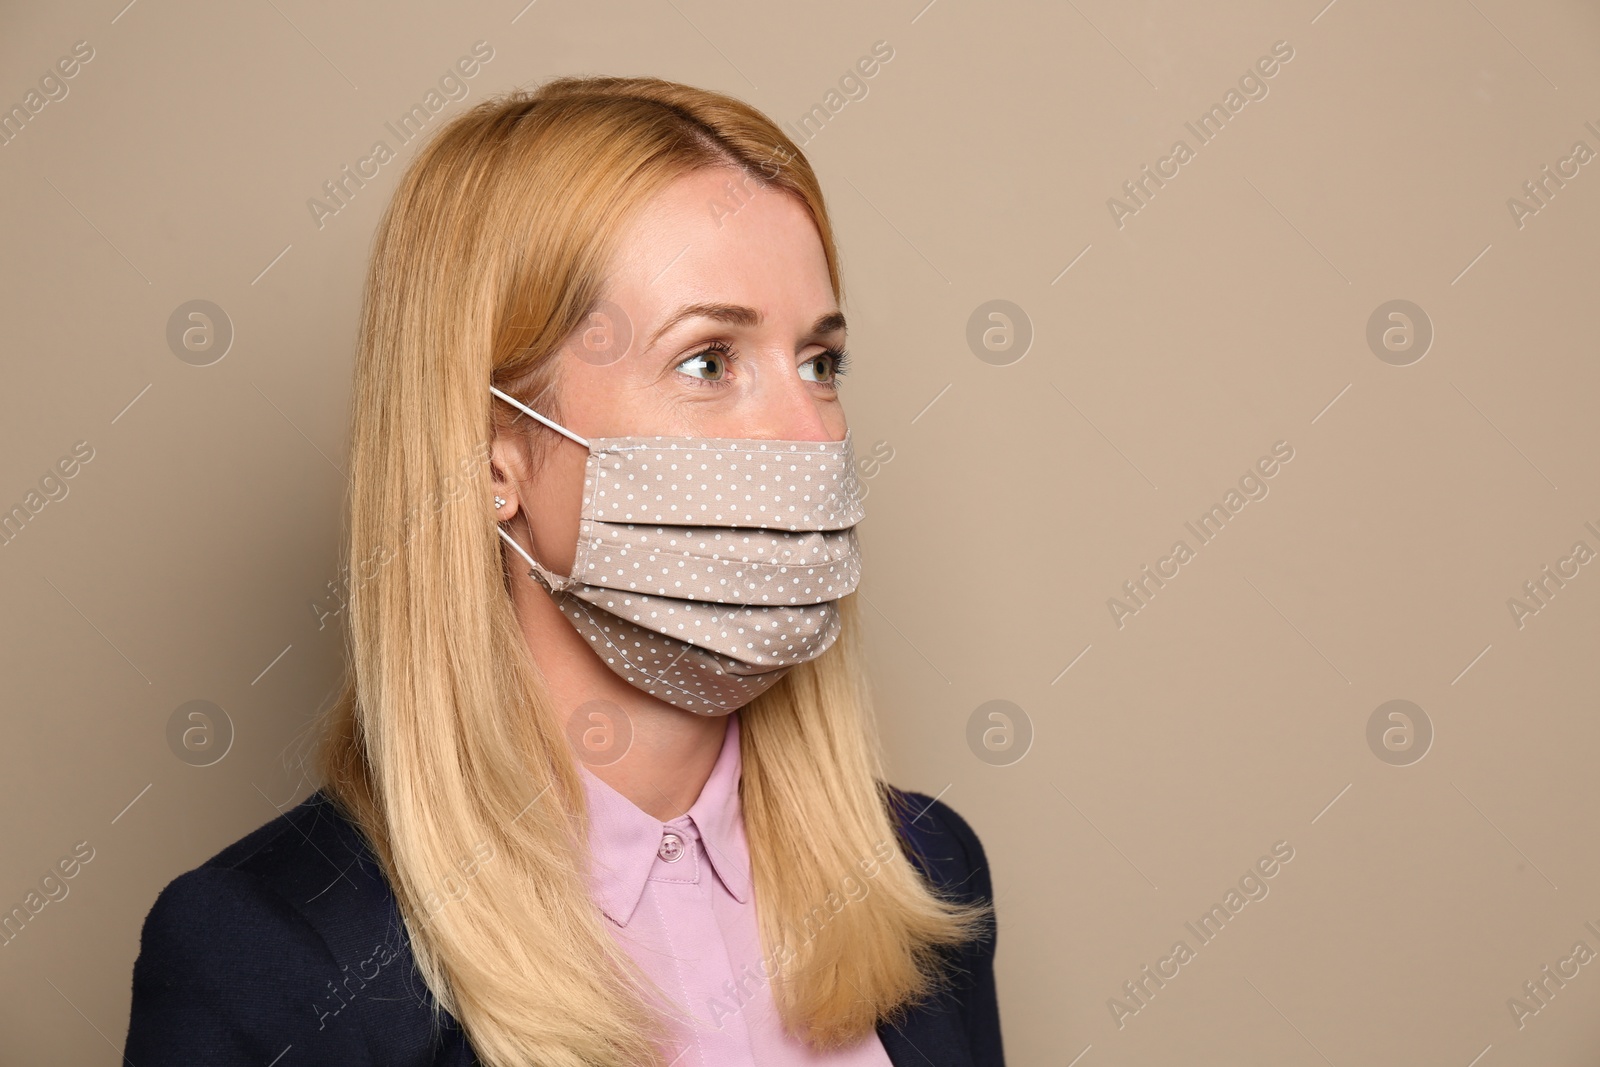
(512, 541)
(557, 582)
(557, 427)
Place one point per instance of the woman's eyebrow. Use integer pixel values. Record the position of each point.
(739, 315)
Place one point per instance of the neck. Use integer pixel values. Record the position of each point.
(667, 753)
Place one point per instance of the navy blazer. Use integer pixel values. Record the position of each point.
(286, 949)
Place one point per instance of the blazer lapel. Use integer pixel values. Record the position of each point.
(927, 1037)
(933, 1033)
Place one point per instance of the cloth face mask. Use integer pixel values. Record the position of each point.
(707, 568)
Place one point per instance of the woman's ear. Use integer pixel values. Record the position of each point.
(510, 468)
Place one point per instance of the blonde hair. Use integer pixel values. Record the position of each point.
(444, 747)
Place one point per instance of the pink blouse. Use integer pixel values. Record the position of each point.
(681, 903)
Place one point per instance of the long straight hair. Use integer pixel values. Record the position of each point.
(444, 746)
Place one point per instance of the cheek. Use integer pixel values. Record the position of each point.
(552, 501)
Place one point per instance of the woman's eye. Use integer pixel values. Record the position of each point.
(709, 365)
(824, 367)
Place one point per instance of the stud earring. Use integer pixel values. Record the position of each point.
(499, 502)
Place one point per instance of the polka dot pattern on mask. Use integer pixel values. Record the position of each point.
(777, 485)
(724, 566)
(680, 673)
(757, 636)
(707, 568)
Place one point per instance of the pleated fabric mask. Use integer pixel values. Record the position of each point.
(707, 568)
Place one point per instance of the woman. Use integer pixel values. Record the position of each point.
(601, 787)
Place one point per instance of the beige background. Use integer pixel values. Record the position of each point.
(1230, 312)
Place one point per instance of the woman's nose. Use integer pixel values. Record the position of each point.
(789, 408)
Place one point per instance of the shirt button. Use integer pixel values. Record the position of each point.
(671, 848)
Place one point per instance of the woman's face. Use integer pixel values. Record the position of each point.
(720, 292)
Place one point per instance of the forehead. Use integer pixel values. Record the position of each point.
(715, 234)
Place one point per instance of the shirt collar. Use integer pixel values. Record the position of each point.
(623, 839)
